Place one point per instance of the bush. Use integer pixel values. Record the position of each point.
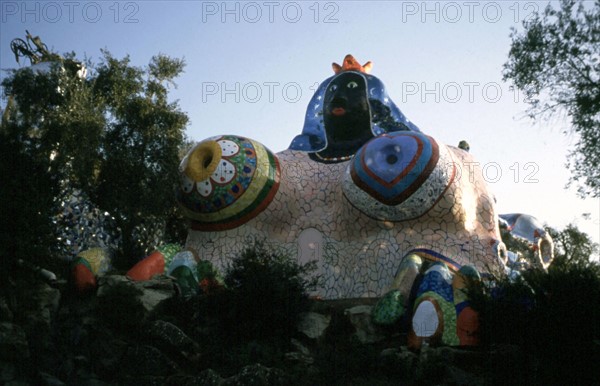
(26, 202)
(266, 292)
(553, 316)
(121, 308)
(253, 316)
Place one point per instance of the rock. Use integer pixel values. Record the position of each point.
(313, 325)
(17, 383)
(45, 301)
(107, 355)
(460, 357)
(94, 382)
(452, 365)
(457, 376)
(46, 379)
(301, 356)
(147, 360)
(207, 377)
(360, 317)
(169, 337)
(300, 347)
(13, 342)
(144, 380)
(38, 315)
(156, 290)
(107, 282)
(150, 293)
(507, 360)
(400, 360)
(7, 372)
(6, 315)
(257, 374)
(389, 352)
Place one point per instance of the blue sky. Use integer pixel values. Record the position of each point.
(253, 66)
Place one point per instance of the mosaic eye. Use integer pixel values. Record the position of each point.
(333, 87)
(352, 85)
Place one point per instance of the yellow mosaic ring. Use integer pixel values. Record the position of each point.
(226, 181)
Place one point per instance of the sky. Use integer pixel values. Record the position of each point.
(252, 67)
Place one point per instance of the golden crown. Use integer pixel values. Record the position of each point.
(351, 64)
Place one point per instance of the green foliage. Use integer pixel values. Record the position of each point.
(205, 270)
(253, 317)
(553, 316)
(57, 115)
(571, 246)
(113, 134)
(266, 292)
(121, 308)
(138, 167)
(345, 363)
(554, 61)
(26, 192)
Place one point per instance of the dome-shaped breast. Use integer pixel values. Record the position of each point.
(398, 176)
(226, 181)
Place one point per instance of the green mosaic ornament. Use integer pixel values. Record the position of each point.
(449, 336)
(389, 309)
(81, 260)
(169, 251)
(186, 282)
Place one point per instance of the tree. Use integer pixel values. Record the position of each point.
(555, 62)
(571, 246)
(138, 169)
(111, 133)
(27, 191)
(49, 113)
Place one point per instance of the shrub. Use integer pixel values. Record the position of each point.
(553, 316)
(121, 308)
(266, 292)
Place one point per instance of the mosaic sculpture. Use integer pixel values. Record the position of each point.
(361, 190)
(530, 229)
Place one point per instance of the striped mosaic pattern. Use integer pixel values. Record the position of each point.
(239, 188)
(399, 176)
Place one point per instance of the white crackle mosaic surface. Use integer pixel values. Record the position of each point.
(311, 219)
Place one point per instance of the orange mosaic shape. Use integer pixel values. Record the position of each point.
(351, 64)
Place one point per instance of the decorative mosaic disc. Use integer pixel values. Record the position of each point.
(226, 181)
(398, 176)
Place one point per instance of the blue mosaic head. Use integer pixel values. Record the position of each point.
(347, 110)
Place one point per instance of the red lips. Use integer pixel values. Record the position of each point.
(338, 111)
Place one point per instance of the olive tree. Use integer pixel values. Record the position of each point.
(555, 62)
(108, 129)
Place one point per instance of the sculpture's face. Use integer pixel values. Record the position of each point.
(346, 115)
